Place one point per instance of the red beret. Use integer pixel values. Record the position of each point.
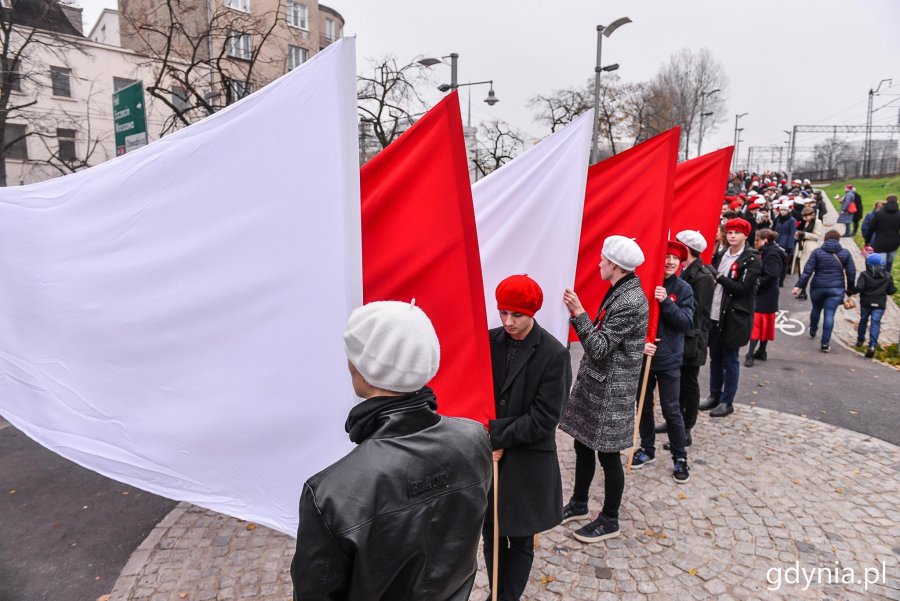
(519, 294)
(678, 249)
(738, 225)
(735, 205)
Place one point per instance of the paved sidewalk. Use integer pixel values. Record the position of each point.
(767, 490)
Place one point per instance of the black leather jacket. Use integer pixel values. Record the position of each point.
(399, 518)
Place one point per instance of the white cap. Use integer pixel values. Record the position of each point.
(393, 345)
(692, 239)
(623, 251)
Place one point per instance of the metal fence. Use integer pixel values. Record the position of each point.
(852, 170)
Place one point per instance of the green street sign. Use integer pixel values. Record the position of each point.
(129, 118)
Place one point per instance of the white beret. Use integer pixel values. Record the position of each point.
(623, 251)
(692, 239)
(393, 345)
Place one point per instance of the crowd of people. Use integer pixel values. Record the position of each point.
(401, 516)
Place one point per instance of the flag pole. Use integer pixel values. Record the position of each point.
(495, 559)
(640, 408)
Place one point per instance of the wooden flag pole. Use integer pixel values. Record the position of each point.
(495, 560)
(640, 408)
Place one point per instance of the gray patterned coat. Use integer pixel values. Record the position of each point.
(600, 411)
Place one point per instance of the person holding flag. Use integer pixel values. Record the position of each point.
(400, 516)
(532, 376)
(600, 411)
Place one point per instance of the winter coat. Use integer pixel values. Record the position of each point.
(884, 230)
(529, 399)
(809, 237)
(702, 281)
(738, 299)
(600, 411)
(400, 516)
(857, 200)
(874, 285)
(866, 223)
(846, 216)
(829, 264)
(773, 259)
(676, 316)
(786, 228)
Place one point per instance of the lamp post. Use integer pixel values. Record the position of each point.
(602, 30)
(734, 159)
(703, 96)
(867, 147)
(454, 84)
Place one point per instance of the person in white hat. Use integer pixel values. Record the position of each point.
(386, 521)
(607, 377)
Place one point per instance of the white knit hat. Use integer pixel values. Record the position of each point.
(393, 345)
(623, 251)
(692, 239)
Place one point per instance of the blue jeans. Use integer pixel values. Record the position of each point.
(888, 260)
(864, 314)
(669, 382)
(827, 299)
(724, 368)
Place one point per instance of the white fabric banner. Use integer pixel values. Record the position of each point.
(173, 318)
(528, 214)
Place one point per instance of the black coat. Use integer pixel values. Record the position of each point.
(400, 516)
(529, 400)
(884, 230)
(874, 285)
(738, 299)
(702, 282)
(773, 261)
(676, 316)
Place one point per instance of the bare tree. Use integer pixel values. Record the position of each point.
(831, 152)
(561, 107)
(389, 100)
(498, 144)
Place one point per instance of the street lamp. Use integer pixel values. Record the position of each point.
(491, 98)
(734, 158)
(867, 147)
(703, 96)
(607, 31)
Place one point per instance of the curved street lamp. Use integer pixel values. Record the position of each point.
(602, 30)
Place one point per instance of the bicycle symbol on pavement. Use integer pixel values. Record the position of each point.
(789, 325)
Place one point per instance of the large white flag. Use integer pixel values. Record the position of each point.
(173, 318)
(528, 214)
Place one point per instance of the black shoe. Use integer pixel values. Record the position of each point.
(722, 410)
(860, 343)
(574, 510)
(641, 458)
(711, 403)
(600, 529)
(681, 474)
(760, 355)
(802, 296)
(687, 441)
(660, 428)
(812, 333)
(748, 362)
(825, 348)
(870, 353)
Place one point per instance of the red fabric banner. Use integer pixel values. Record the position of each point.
(699, 190)
(419, 241)
(630, 195)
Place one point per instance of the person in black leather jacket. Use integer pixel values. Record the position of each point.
(398, 518)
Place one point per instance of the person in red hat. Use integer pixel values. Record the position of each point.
(773, 261)
(532, 376)
(676, 316)
(734, 297)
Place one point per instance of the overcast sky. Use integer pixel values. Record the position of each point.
(788, 61)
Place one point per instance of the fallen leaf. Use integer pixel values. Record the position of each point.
(547, 579)
(125, 493)
(96, 577)
(682, 496)
(104, 597)
(182, 595)
(795, 481)
(12, 491)
(839, 491)
(650, 532)
(251, 526)
(692, 571)
(852, 412)
(723, 495)
(748, 458)
(663, 535)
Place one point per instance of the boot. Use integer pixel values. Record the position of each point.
(748, 362)
(712, 402)
(760, 355)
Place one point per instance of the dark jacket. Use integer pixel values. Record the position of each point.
(529, 399)
(884, 230)
(866, 222)
(773, 261)
(874, 285)
(857, 200)
(676, 316)
(786, 228)
(738, 298)
(828, 263)
(400, 517)
(702, 281)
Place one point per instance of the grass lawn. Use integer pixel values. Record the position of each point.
(870, 190)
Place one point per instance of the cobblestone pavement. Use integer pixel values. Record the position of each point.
(767, 490)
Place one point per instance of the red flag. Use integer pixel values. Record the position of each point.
(630, 195)
(699, 189)
(419, 241)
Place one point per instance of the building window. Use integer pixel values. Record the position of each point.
(15, 77)
(242, 5)
(122, 82)
(297, 15)
(180, 99)
(329, 29)
(60, 78)
(296, 56)
(14, 141)
(235, 90)
(238, 45)
(66, 139)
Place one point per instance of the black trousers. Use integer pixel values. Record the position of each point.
(514, 560)
(613, 478)
(689, 398)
